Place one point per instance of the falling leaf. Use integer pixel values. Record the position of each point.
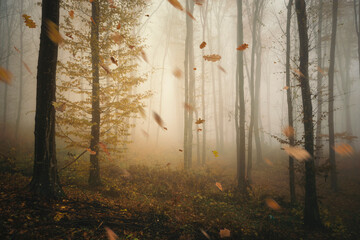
(190, 15)
(110, 233)
(199, 121)
(92, 20)
(180, 150)
(5, 75)
(224, 233)
(114, 61)
(28, 21)
(199, 2)
(104, 148)
(199, 129)
(142, 112)
(176, 4)
(143, 55)
(107, 70)
(91, 151)
(69, 35)
(125, 173)
(298, 153)
(271, 203)
(118, 26)
(242, 47)
(165, 128)
(289, 131)
(297, 71)
(344, 149)
(17, 49)
(202, 45)
(71, 14)
(221, 69)
(91, 1)
(147, 15)
(61, 107)
(268, 162)
(53, 32)
(205, 233)
(219, 186)
(117, 38)
(188, 107)
(321, 71)
(177, 72)
(212, 58)
(216, 154)
(194, 69)
(27, 67)
(145, 133)
(286, 88)
(158, 119)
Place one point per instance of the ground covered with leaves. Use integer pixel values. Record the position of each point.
(163, 202)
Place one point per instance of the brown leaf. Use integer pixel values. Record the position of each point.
(188, 107)
(199, 2)
(111, 235)
(28, 21)
(202, 45)
(107, 70)
(71, 14)
(165, 128)
(289, 131)
(271, 203)
(143, 55)
(212, 57)
(53, 32)
(114, 61)
(117, 38)
(5, 75)
(190, 15)
(176, 4)
(199, 129)
(224, 233)
(219, 186)
(145, 133)
(221, 69)
(177, 72)
(286, 88)
(180, 150)
(118, 26)
(199, 121)
(242, 47)
(158, 119)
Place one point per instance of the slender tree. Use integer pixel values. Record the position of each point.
(45, 181)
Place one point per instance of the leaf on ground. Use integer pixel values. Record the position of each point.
(219, 186)
(204, 233)
(344, 149)
(53, 32)
(289, 131)
(110, 234)
(271, 203)
(5, 75)
(212, 57)
(158, 119)
(28, 21)
(176, 4)
(224, 233)
(202, 45)
(242, 47)
(298, 153)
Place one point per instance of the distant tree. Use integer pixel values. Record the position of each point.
(45, 181)
(357, 27)
(311, 210)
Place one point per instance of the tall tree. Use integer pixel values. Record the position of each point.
(357, 28)
(311, 210)
(289, 103)
(333, 174)
(45, 181)
(240, 105)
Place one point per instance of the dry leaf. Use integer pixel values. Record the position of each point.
(5, 75)
(242, 47)
(28, 21)
(180, 150)
(53, 32)
(289, 131)
(107, 70)
(202, 45)
(176, 4)
(286, 88)
(177, 72)
(111, 235)
(219, 186)
(268, 162)
(158, 119)
(59, 106)
(212, 57)
(216, 154)
(117, 38)
(188, 107)
(205, 233)
(221, 69)
(190, 15)
(91, 151)
(271, 203)
(199, 129)
(194, 69)
(165, 128)
(118, 26)
(297, 71)
(344, 149)
(69, 35)
(27, 67)
(92, 20)
(71, 14)
(298, 153)
(104, 148)
(114, 61)
(224, 233)
(199, 121)
(199, 2)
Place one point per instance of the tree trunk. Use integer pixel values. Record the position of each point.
(357, 26)
(290, 104)
(45, 182)
(94, 177)
(311, 210)
(203, 160)
(333, 174)
(240, 106)
(20, 72)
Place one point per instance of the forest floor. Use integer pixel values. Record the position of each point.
(162, 202)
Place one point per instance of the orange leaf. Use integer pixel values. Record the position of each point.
(199, 129)
(194, 69)
(205, 233)
(289, 131)
(268, 162)
(221, 69)
(219, 186)
(117, 38)
(297, 71)
(199, 2)
(53, 32)
(17, 49)
(118, 26)
(69, 35)
(224, 233)
(158, 119)
(271, 203)
(212, 58)
(90, 151)
(202, 45)
(199, 121)
(71, 14)
(27, 67)
(180, 150)
(28, 21)
(5, 75)
(298, 153)
(344, 149)
(321, 71)
(242, 47)
(92, 20)
(104, 148)
(176, 4)
(91, 1)
(188, 107)
(114, 61)
(286, 88)
(111, 235)
(177, 72)
(190, 15)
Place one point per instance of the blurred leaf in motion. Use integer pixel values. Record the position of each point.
(199, 121)
(289, 131)
(344, 149)
(216, 154)
(212, 57)
(298, 153)
(271, 203)
(158, 119)
(242, 47)
(110, 234)
(176, 4)
(219, 186)
(224, 233)
(5, 75)
(53, 32)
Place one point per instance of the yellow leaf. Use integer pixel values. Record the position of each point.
(28, 21)
(216, 154)
(53, 32)
(5, 75)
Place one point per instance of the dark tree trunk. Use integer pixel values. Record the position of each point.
(94, 177)
(45, 182)
(240, 105)
(333, 174)
(290, 104)
(311, 210)
(20, 72)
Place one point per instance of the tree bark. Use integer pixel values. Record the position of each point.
(20, 73)
(45, 182)
(311, 210)
(94, 176)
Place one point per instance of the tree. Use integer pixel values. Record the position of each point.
(357, 26)
(311, 210)
(45, 181)
(289, 103)
(240, 106)
(333, 174)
